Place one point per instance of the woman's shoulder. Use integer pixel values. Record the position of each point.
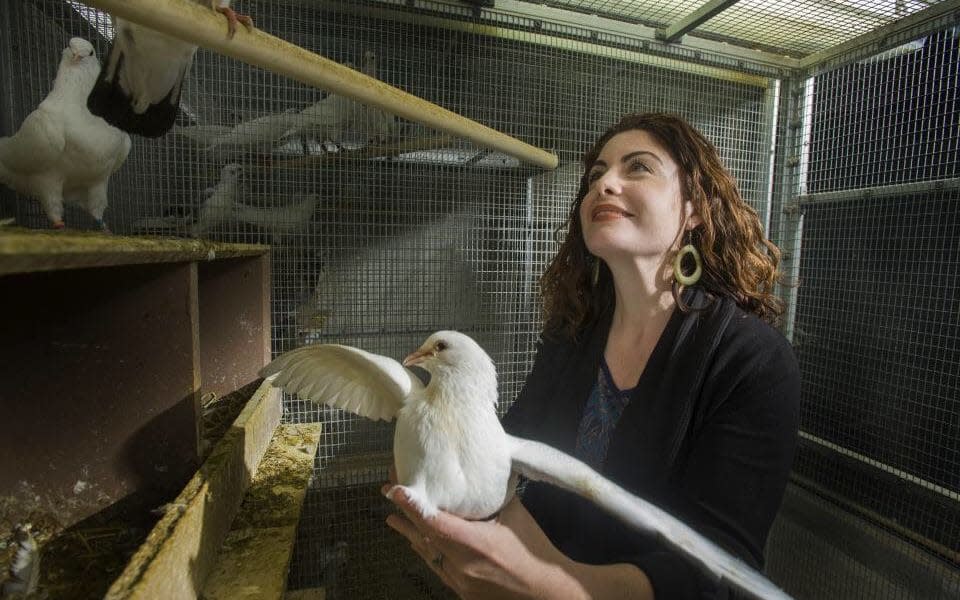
(748, 344)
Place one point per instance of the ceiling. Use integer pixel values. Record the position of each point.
(795, 28)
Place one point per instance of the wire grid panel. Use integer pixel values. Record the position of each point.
(877, 330)
(789, 27)
(376, 248)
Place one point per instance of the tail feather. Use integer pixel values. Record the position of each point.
(541, 462)
(115, 105)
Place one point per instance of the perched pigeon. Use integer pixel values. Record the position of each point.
(218, 206)
(139, 89)
(62, 152)
(452, 454)
(202, 135)
(377, 125)
(260, 131)
(278, 221)
(330, 119)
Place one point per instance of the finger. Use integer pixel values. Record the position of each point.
(404, 527)
(422, 545)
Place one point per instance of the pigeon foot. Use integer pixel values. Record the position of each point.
(232, 19)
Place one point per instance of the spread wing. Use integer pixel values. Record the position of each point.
(541, 462)
(366, 384)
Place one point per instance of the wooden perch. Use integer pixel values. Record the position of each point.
(197, 24)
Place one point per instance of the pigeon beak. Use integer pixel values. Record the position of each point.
(418, 357)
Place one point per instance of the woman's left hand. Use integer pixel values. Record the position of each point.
(507, 557)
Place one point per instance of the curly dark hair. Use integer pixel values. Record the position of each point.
(738, 261)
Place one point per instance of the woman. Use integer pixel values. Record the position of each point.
(658, 366)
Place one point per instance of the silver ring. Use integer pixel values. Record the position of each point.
(438, 560)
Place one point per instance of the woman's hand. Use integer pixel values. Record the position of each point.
(508, 557)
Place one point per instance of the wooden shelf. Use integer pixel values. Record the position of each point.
(109, 342)
(30, 250)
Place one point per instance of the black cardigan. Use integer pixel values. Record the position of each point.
(709, 435)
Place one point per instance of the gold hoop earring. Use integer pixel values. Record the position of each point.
(595, 276)
(678, 266)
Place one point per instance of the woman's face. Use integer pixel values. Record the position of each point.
(634, 207)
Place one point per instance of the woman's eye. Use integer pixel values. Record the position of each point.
(594, 175)
(638, 165)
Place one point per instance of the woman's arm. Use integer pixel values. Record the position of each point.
(510, 557)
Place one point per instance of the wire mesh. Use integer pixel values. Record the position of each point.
(875, 204)
(787, 27)
(378, 246)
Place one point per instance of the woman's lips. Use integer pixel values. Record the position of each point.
(608, 212)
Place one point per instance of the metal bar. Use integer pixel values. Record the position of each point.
(790, 230)
(883, 191)
(675, 31)
(899, 473)
(885, 37)
(556, 24)
(199, 25)
(596, 23)
(772, 108)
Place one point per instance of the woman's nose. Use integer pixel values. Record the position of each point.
(609, 184)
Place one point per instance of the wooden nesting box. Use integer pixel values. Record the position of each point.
(108, 345)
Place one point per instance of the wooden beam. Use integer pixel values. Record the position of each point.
(181, 550)
(255, 557)
(196, 23)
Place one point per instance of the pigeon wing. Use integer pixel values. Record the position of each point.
(369, 385)
(541, 462)
(37, 144)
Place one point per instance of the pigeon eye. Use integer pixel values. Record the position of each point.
(441, 346)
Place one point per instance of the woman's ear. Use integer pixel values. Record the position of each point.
(692, 220)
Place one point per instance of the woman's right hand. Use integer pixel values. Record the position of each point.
(508, 557)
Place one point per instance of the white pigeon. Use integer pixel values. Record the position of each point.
(263, 130)
(202, 135)
(218, 207)
(377, 125)
(281, 220)
(328, 120)
(62, 152)
(139, 89)
(452, 454)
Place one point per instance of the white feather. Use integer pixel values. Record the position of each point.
(292, 218)
(218, 207)
(543, 463)
(324, 373)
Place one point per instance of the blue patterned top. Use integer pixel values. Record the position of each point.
(600, 416)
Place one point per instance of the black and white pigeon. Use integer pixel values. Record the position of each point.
(141, 83)
(451, 453)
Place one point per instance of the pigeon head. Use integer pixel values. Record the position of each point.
(78, 50)
(78, 68)
(454, 355)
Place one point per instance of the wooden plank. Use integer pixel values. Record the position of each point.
(30, 250)
(234, 297)
(306, 594)
(255, 557)
(181, 550)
